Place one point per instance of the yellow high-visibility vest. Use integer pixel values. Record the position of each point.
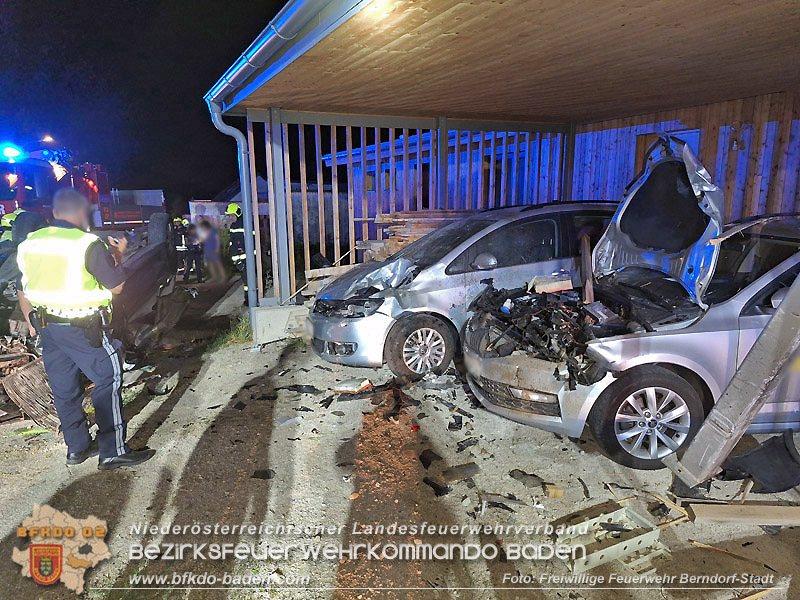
(7, 222)
(54, 275)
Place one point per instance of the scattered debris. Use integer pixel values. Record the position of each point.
(159, 386)
(453, 408)
(286, 421)
(456, 424)
(464, 444)
(427, 457)
(527, 479)
(553, 491)
(459, 472)
(697, 544)
(432, 381)
(303, 409)
(263, 474)
(504, 499)
(585, 487)
(352, 386)
(438, 488)
(301, 388)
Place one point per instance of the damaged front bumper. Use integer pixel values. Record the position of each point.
(523, 389)
(356, 342)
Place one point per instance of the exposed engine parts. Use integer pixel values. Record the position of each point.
(550, 326)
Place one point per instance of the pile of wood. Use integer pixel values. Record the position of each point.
(402, 228)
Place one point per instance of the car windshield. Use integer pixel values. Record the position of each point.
(435, 246)
(749, 254)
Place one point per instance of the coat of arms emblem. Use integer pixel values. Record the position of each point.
(46, 563)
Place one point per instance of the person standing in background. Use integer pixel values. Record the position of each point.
(209, 236)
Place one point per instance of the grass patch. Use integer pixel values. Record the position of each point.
(239, 333)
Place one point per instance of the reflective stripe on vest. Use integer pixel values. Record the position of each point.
(54, 275)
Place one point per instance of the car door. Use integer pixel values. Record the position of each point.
(520, 250)
(782, 409)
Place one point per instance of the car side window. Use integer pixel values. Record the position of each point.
(761, 303)
(519, 243)
(593, 225)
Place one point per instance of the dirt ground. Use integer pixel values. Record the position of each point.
(226, 455)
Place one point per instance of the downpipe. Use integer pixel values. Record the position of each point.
(247, 202)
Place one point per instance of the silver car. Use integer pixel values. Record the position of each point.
(407, 311)
(678, 302)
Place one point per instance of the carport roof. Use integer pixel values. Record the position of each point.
(536, 60)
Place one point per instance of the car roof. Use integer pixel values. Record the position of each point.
(511, 213)
(784, 225)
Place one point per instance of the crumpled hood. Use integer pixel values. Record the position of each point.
(370, 278)
(670, 214)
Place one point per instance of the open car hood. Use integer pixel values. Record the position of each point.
(667, 221)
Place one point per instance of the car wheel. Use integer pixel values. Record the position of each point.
(420, 344)
(646, 415)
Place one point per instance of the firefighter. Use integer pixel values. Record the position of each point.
(179, 238)
(238, 254)
(68, 278)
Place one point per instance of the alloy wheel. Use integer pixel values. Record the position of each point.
(423, 350)
(652, 423)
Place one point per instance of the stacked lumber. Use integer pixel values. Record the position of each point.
(403, 228)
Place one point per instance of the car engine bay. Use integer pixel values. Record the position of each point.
(558, 326)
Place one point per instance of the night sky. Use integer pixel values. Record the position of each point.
(122, 84)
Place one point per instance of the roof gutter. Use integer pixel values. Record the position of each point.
(283, 28)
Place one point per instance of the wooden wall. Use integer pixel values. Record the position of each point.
(751, 147)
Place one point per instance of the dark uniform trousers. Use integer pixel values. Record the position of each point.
(67, 352)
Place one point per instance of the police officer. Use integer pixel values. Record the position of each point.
(68, 279)
(236, 233)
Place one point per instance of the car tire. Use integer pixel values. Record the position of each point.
(432, 336)
(625, 427)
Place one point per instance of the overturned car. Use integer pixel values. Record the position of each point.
(641, 357)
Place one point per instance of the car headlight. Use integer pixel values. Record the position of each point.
(348, 309)
(532, 396)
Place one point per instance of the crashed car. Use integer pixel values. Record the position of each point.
(678, 301)
(407, 311)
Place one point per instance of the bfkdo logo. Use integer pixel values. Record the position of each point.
(46, 562)
(62, 547)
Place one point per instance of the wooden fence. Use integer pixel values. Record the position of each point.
(751, 147)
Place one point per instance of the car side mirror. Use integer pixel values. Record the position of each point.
(484, 262)
(776, 298)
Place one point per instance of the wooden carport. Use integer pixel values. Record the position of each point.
(585, 82)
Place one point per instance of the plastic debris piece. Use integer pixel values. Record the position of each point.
(427, 457)
(352, 386)
(459, 472)
(438, 488)
(527, 479)
(464, 444)
(286, 421)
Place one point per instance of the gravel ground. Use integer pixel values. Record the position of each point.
(225, 455)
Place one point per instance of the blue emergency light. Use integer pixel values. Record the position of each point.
(10, 152)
